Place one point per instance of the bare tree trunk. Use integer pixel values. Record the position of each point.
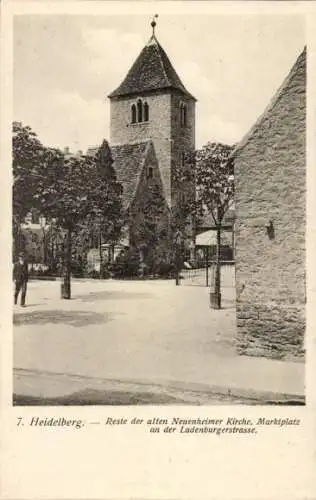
(206, 265)
(100, 251)
(178, 264)
(218, 264)
(66, 286)
(215, 297)
(177, 274)
(44, 246)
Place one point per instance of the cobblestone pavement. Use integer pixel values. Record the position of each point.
(145, 331)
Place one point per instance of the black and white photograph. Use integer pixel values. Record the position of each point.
(159, 209)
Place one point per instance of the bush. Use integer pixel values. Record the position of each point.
(126, 265)
(106, 272)
(164, 269)
(93, 273)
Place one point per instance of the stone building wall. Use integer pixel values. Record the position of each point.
(163, 128)
(270, 256)
(182, 137)
(158, 128)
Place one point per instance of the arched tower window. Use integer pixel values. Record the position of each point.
(133, 110)
(146, 112)
(139, 111)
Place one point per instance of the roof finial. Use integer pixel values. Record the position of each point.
(153, 23)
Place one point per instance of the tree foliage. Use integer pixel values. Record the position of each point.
(215, 191)
(184, 185)
(151, 229)
(152, 210)
(214, 180)
(27, 157)
(74, 192)
(183, 212)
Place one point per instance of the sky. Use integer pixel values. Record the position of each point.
(66, 65)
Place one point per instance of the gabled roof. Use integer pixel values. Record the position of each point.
(297, 71)
(128, 163)
(129, 160)
(151, 71)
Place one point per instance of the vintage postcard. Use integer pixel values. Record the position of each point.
(157, 249)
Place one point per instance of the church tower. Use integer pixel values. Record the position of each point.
(152, 103)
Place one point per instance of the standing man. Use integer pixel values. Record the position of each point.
(20, 276)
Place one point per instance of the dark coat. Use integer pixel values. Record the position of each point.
(20, 271)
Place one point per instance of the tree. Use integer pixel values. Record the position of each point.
(183, 212)
(105, 224)
(215, 191)
(76, 190)
(152, 228)
(27, 158)
(27, 155)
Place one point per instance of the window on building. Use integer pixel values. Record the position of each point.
(133, 113)
(146, 112)
(182, 159)
(139, 111)
(183, 114)
(150, 173)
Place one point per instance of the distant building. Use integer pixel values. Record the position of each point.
(270, 199)
(206, 237)
(42, 242)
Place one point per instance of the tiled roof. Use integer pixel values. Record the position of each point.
(152, 70)
(298, 70)
(128, 164)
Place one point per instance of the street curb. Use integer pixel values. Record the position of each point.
(257, 397)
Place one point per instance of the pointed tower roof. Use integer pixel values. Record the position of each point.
(151, 71)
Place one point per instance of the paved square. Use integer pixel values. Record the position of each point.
(139, 331)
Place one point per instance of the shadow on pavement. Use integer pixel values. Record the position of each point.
(112, 295)
(32, 304)
(90, 397)
(94, 397)
(73, 318)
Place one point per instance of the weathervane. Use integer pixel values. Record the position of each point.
(153, 23)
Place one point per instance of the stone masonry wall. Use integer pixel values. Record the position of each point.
(163, 128)
(183, 137)
(270, 266)
(183, 141)
(158, 129)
